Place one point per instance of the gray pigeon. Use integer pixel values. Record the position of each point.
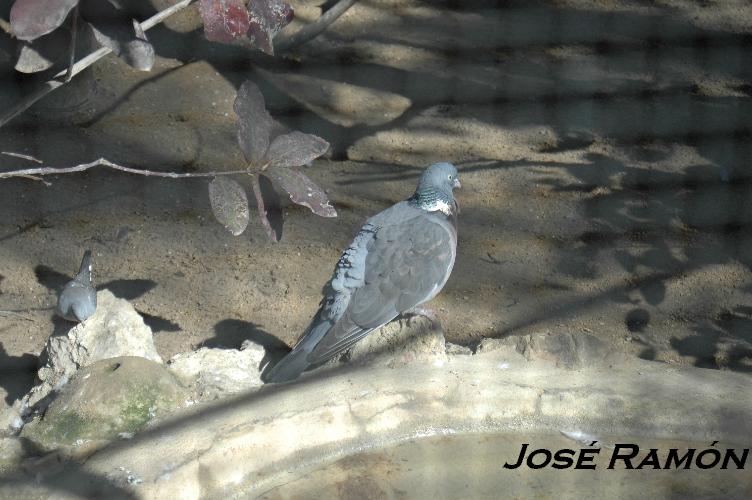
(401, 258)
(78, 300)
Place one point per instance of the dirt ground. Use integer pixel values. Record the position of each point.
(603, 148)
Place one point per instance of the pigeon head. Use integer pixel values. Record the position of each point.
(435, 189)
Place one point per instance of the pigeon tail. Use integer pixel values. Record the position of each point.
(296, 362)
(84, 272)
(288, 368)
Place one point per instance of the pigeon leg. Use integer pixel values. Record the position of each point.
(427, 313)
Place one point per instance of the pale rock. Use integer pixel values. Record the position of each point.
(458, 350)
(11, 452)
(10, 419)
(214, 372)
(572, 351)
(115, 329)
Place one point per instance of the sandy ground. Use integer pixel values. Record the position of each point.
(603, 149)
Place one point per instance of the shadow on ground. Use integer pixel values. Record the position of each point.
(17, 374)
(635, 122)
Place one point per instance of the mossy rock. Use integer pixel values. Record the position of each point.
(11, 453)
(109, 398)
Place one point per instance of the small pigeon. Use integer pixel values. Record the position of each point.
(401, 258)
(78, 300)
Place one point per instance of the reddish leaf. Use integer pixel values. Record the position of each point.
(267, 18)
(295, 149)
(43, 52)
(254, 122)
(30, 19)
(302, 190)
(229, 204)
(269, 206)
(224, 20)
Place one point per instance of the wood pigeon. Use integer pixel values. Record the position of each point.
(78, 300)
(401, 258)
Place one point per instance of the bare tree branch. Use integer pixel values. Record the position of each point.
(84, 63)
(314, 29)
(106, 163)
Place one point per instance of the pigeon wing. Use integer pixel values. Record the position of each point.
(406, 264)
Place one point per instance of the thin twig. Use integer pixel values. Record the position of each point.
(72, 49)
(19, 155)
(35, 178)
(260, 205)
(312, 30)
(106, 163)
(84, 63)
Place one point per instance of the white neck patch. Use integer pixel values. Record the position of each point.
(440, 206)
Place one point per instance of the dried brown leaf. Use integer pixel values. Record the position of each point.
(42, 53)
(267, 18)
(302, 190)
(128, 41)
(30, 19)
(229, 204)
(254, 122)
(295, 149)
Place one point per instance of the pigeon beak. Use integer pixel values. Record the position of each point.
(456, 183)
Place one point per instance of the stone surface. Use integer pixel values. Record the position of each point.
(213, 372)
(247, 447)
(11, 452)
(455, 349)
(402, 341)
(10, 419)
(567, 350)
(470, 466)
(110, 398)
(115, 329)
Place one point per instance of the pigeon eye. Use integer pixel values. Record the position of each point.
(450, 177)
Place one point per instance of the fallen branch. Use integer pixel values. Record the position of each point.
(19, 155)
(314, 29)
(59, 79)
(106, 163)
